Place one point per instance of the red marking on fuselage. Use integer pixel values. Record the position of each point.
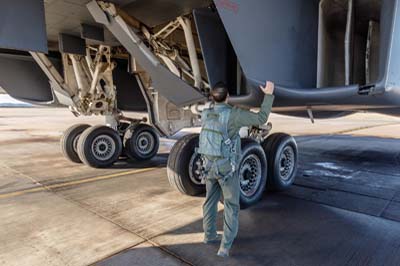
(228, 5)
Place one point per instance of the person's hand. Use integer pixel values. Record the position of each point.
(269, 88)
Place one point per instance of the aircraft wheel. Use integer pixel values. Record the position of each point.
(122, 128)
(183, 167)
(281, 151)
(252, 171)
(141, 142)
(99, 146)
(69, 142)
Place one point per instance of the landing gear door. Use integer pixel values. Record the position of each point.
(218, 54)
(285, 50)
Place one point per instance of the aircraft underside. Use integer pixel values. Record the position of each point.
(327, 58)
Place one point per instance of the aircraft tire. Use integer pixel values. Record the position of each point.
(252, 171)
(69, 141)
(99, 146)
(122, 128)
(281, 151)
(141, 142)
(182, 164)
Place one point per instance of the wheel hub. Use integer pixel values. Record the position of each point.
(145, 142)
(103, 147)
(250, 172)
(195, 168)
(286, 163)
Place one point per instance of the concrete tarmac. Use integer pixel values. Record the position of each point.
(344, 208)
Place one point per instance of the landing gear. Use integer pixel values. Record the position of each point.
(141, 142)
(271, 165)
(184, 166)
(252, 173)
(69, 142)
(281, 151)
(99, 146)
(102, 146)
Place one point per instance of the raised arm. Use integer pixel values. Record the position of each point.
(245, 118)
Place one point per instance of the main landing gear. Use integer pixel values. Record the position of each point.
(270, 165)
(102, 146)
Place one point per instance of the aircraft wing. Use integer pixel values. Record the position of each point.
(332, 55)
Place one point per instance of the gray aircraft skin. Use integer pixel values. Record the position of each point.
(328, 58)
(325, 56)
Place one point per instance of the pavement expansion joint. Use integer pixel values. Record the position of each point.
(50, 188)
(43, 187)
(380, 215)
(145, 239)
(386, 206)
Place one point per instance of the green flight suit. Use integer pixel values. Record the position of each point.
(230, 189)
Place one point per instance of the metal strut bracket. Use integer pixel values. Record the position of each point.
(61, 91)
(164, 81)
(87, 86)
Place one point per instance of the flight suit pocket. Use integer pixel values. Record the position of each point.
(224, 169)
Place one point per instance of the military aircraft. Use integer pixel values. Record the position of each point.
(328, 58)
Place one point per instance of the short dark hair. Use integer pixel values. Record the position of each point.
(219, 92)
